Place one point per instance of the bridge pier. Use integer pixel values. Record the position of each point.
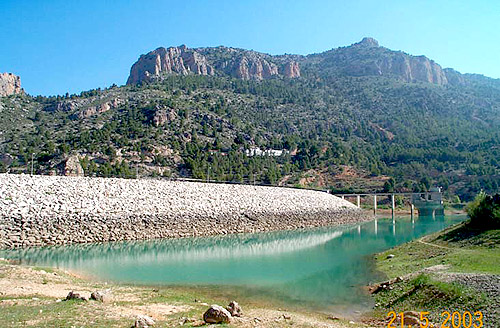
(393, 206)
(427, 204)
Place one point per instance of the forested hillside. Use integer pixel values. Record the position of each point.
(354, 118)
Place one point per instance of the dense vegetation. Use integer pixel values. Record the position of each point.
(342, 132)
(484, 211)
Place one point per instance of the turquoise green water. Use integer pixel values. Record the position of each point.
(317, 268)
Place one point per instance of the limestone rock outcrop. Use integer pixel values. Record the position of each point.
(411, 68)
(453, 77)
(72, 167)
(291, 69)
(98, 109)
(253, 67)
(163, 116)
(10, 84)
(179, 60)
(238, 63)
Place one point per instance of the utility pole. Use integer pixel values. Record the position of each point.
(208, 174)
(32, 159)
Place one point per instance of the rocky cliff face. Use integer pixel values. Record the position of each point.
(247, 68)
(179, 60)
(9, 84)
(291, 69)
(412, 69)
(367, 58)
(243, 64)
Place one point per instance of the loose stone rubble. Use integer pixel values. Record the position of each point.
(56, 210)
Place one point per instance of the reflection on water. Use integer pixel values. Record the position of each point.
(319, 268)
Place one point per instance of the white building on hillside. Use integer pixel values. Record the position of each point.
(268, 152)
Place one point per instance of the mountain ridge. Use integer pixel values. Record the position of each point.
(363, 58)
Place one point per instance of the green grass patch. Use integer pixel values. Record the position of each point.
(61, 314)
(46, 269)
(426, 294)
(462, 248)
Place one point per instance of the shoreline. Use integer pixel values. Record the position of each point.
(35, 296)
(53, 210)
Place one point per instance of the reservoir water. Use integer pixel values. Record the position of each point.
(321, 269)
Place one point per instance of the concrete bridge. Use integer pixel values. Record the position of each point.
(428, 203)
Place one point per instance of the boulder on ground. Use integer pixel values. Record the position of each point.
(217, 314)
(101, 295)
(75, 296)
(235, 309)
(143, 321)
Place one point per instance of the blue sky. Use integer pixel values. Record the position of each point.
(69, 46)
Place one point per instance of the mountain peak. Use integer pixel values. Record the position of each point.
(367, 42)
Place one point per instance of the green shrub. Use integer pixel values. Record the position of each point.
(484, 211)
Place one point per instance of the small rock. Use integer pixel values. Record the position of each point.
(185, 320)
(411, 320)
(412, 313)
(286, 317)
(390, 256)
(217, 314)
(235, 309)
(331, 317)
(143, 321)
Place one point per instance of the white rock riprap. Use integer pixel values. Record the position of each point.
(55, 210)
